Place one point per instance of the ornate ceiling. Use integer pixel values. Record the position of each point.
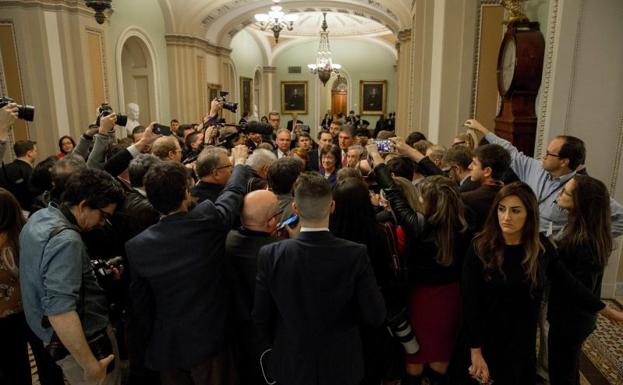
(219, 20)
(340, 25)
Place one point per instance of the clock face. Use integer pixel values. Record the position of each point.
(509, 60)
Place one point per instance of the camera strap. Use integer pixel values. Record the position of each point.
(56, 231)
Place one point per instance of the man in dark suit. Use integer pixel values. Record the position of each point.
(15, 176)
(259, 218)
(311, 293)
(291, 123)
(179, 264)
(313, 156)
(213, 169)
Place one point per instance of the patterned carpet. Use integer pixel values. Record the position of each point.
(601, 361)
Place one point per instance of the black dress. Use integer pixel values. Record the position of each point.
(570, 322)
(501, 317)
(501, 313)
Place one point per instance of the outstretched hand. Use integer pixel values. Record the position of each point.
(476, 125)
(8, 115)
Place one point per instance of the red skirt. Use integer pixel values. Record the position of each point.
(434, 317)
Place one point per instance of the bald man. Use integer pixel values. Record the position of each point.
(260, 218)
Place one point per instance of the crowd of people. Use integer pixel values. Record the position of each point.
(214, 255)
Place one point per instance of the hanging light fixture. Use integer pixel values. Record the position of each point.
(324, 66)
(99, 6)
(276, 20)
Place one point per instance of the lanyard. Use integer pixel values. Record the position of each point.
(541, 199)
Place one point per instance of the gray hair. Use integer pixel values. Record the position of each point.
(261, 158)
(208, 160)
(357, 147)
(279, 131)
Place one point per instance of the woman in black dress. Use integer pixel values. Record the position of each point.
(354, 220)
(584, 247)
(502, 284)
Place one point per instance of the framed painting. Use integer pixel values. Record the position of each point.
(294, 97)
(246, 90)
(372, 97)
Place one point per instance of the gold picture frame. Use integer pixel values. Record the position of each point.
(372, 97)
(246, 95)
(294, 97)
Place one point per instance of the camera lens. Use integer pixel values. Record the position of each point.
(230, 106)
(26, 112)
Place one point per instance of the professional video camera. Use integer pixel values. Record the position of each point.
(24, 112)
(230, 106)
(252, 127)
(105, 109)
(227, 140)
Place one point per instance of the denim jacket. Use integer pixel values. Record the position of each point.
(55, 273)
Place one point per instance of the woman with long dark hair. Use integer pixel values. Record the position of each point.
(435, 243)
(584, 247)
(502, 288)
(354, 220)
(502, 283)
(14, 365)
(14, 332)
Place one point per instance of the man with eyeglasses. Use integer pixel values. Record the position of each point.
(179, 264)
(564, 157)
(214, 170)
(259, 220)
(63, 302)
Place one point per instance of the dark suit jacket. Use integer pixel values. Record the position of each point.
(479, 202)
(205, 190)
(180, 263)
(291, 124)
(15, 177)
(118, 162)
(242, 247)
(311, 294)
(313, 161)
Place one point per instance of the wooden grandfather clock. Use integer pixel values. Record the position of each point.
(519, 70)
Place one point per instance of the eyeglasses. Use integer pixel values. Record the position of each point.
(277, 214)
(547, 153)
(106, 215)
(226, 166)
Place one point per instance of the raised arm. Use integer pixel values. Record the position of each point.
(427, 166)
(8, 115)
(522, 165)
(121, 160)
(406, 216)
(229, 202)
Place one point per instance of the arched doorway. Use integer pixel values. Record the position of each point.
(339, 96)
(137, 67)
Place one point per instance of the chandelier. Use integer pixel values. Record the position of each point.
(324, 66)
(99, 6)
(275, 20)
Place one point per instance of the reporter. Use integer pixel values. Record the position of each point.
(584, 247)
